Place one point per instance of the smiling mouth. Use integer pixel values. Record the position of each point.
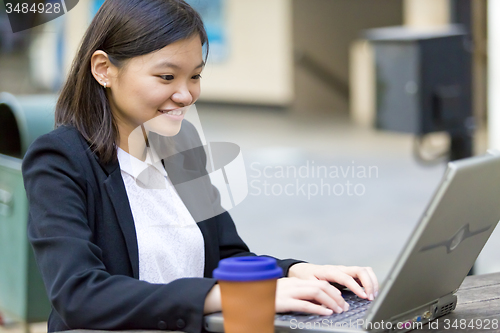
(176, 112)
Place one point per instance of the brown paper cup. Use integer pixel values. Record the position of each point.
(248, 306)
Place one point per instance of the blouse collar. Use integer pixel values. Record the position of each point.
(134, 166)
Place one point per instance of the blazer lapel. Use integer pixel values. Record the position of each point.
(118, 196)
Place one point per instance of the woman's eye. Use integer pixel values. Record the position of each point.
(196, 77)
(167, 77)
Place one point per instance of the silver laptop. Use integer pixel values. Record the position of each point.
(422, 283)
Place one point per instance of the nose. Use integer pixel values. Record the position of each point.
(182, 96)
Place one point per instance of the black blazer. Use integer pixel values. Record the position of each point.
(82, 232)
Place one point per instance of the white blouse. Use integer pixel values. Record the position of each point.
(171, 245)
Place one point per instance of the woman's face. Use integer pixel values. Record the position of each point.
(156, 85)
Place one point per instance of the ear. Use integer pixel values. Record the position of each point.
(101, 68)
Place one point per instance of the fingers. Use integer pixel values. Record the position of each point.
(306, 306)
(374, 280)
(349, 282)
(326, 294)
(362, 273)
(347, 275)
(361, 280)
(368, 280)
(301, 295)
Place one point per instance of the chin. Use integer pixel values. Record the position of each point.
(163, 125)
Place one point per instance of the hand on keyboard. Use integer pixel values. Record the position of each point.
(353, 277)
(294, 294)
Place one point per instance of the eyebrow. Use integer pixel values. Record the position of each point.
(174, 66)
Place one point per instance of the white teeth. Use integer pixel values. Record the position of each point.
(175, 112)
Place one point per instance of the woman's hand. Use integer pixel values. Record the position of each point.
(213, 300)
(293, 294)
(352, 277)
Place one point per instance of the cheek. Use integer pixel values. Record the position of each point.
(195, 91)
(158, 94)
(150, 93)
(131, 91)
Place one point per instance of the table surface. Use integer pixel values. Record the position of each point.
(478, 302)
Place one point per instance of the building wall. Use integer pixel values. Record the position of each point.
(259, 67)
(324, 30)
(426, 13)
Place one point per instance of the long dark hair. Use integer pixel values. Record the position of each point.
(123, 29)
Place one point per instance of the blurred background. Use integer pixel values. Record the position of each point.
(380, 93)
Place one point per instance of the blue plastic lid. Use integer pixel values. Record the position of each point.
(247, 269)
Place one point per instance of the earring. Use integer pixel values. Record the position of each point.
(104, 85)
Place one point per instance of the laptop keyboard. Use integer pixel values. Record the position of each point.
(357, 308)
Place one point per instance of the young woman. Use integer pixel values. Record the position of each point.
(115, 253)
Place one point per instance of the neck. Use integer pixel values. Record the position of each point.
(134, 142)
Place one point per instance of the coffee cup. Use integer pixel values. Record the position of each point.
(248, 293)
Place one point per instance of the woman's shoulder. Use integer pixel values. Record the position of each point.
(63, 137)
(62, 146)
(64, 132)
